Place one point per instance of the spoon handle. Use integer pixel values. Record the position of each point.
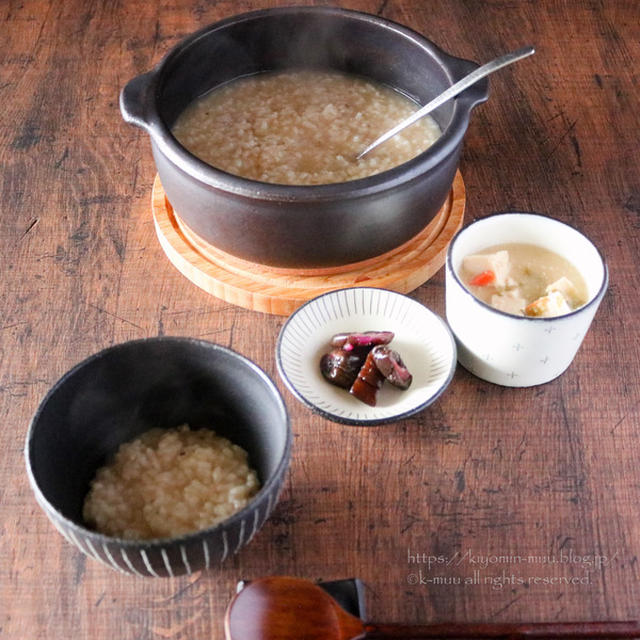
(504, 631)
(452, 92)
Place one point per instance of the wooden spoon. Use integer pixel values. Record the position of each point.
(286, 608)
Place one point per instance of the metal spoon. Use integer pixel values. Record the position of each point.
(452, 92)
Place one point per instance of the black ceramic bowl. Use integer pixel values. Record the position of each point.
(125, 390)
(303, 226)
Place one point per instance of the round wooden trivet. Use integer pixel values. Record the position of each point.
(281, 291)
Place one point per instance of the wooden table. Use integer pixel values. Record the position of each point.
(526, 501)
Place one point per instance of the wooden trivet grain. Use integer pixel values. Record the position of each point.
(281, 291)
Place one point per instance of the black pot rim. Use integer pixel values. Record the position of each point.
(416, 168)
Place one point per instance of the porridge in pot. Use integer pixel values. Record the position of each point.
(302, 127)
(169, 482)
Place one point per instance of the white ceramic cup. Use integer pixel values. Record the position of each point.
(520, 351)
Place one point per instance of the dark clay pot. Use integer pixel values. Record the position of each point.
(303, 226)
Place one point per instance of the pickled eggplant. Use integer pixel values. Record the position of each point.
(390, 365)
(361, 361)
(368, 381)
(340, 367)
(370, 339)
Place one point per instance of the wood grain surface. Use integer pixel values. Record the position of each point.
(494, 504)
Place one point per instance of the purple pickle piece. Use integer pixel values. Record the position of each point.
(391, 366)
(349, 341)
(369, 380)
(340, 367)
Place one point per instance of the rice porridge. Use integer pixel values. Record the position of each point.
(169, 482)
(302, 127)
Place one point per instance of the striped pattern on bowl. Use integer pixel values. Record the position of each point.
(203, 550)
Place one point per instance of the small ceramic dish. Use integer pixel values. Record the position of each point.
(421, 338)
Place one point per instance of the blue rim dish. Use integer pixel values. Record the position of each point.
(363, 409)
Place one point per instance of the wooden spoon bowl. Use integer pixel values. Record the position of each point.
(285, 608)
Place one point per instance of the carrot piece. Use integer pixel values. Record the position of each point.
(483, 279)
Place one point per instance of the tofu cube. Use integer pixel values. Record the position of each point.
(509, 302)
(567, 289)
(497, 262)
(549, 306)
